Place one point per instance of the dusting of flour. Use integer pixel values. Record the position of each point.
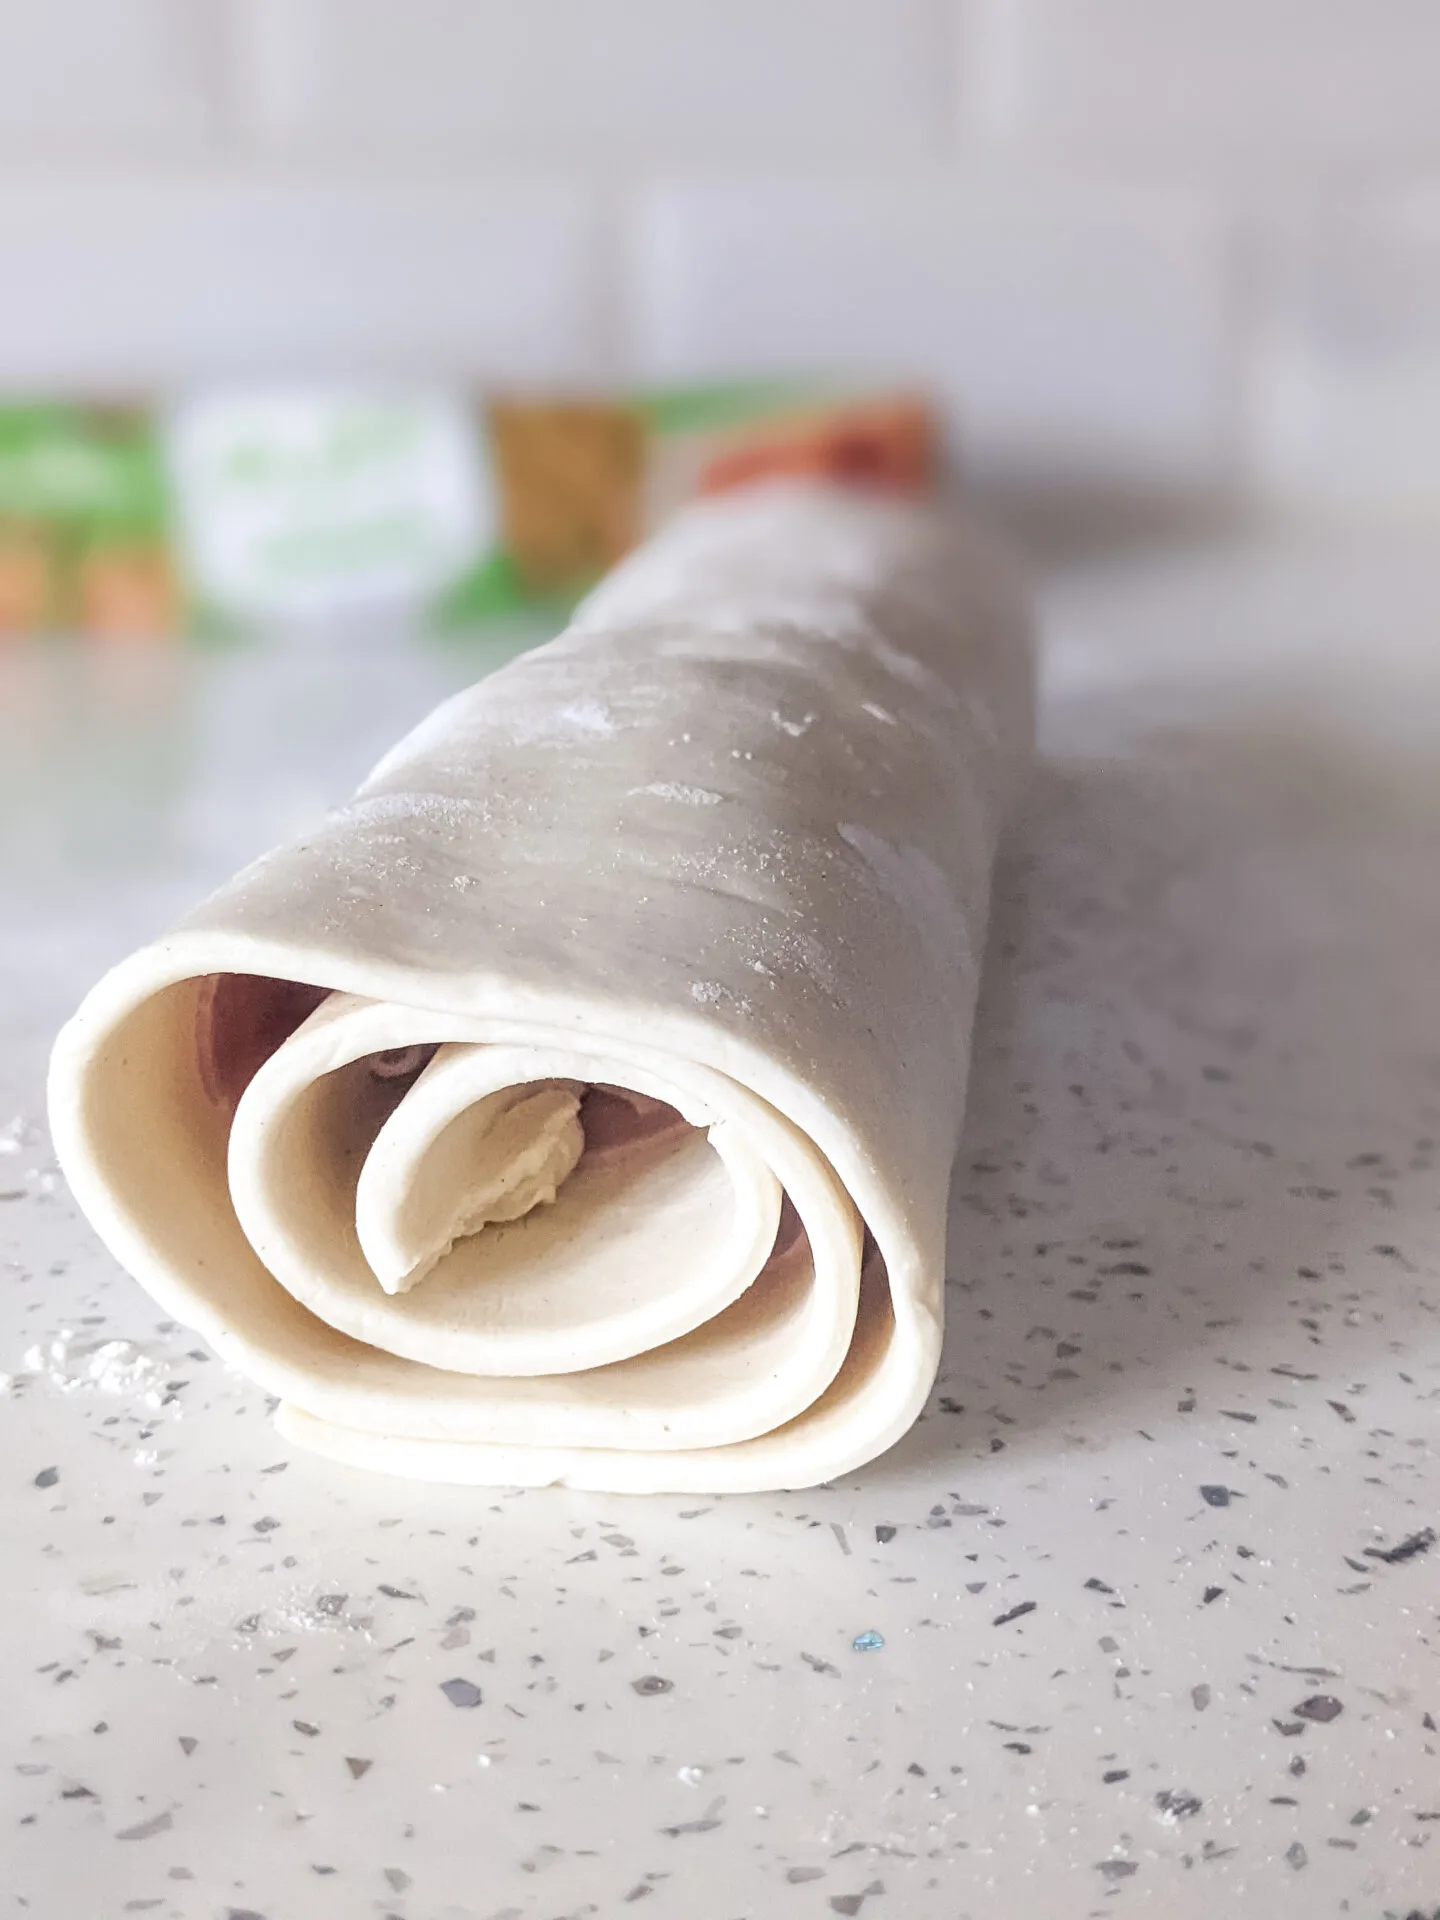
(71, 1365)
(676, 790)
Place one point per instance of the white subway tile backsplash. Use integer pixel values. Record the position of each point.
(1031, 206)
(1346, 389)
(93, 73)
(633, 76)
(1221, 81)
(1077, 335)
(162, 282)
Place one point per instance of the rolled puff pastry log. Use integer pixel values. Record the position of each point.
(577, 1104)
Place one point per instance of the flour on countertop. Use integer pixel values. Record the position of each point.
(322, 1613)
(72, 1365)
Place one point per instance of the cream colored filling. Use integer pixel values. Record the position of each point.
(504, 1157)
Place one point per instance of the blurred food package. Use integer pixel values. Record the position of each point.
(252, 508)
(86, 532)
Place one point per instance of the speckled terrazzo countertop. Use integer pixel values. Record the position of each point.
(1142, 1617)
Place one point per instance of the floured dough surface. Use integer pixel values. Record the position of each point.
(577, 1104)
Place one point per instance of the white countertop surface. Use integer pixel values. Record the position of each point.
(1152, 1577)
